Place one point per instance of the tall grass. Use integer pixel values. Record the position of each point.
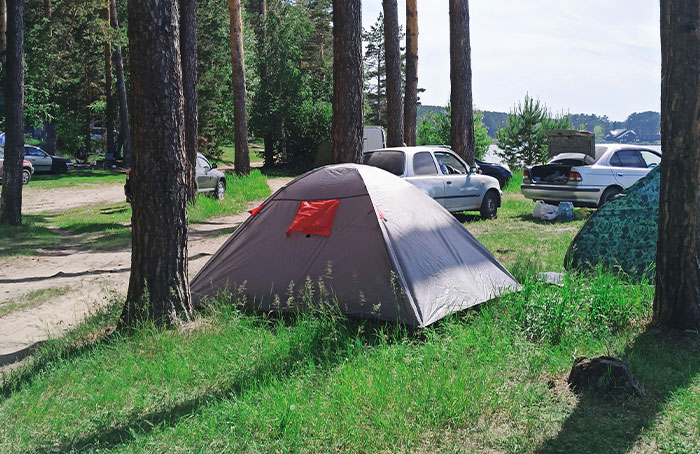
(319, 382)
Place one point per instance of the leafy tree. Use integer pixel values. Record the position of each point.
(434, 129)
(375, 72)
(522, 139)
(646, 124)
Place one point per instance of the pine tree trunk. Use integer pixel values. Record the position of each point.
(347, 125)
(677, 300)
(394, 105)
(124, 130)
(109, 99)
(11, 197)
(188, 47)
(3, 30)
(410, 106)
(158, 285)
(51, 137)
(241, 161)
(462, 124)
(261, 34)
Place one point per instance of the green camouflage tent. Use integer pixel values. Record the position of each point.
(622, 233)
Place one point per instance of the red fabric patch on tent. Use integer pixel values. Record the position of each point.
(256, 210)
(379, 213)
(315, 218)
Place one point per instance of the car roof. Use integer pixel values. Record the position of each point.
(414, 150)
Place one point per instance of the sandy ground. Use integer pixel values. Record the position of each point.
(94, 278)
(36, 200)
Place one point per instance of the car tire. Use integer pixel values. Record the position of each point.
(26, 176)
(489, 206)
(220, 191)
(607, 196)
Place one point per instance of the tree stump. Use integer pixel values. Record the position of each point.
(603, 375)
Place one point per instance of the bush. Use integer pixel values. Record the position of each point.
(435, 129)
(522, 139)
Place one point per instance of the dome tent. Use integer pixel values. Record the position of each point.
(371, 241)
(622, 233)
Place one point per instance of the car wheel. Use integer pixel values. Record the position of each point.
(607, 196)
(489, 206)
(26, 176)
(220, 191)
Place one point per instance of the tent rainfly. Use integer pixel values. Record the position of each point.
(622, 234)
(362, 237)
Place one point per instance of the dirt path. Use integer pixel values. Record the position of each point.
(35, 200)
(94, 277)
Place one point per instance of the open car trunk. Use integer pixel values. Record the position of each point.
(550, 173)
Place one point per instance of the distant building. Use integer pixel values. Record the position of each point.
(622, 136)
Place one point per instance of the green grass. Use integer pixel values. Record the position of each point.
(107, 226)
(31, 299)
(484, 381)
(77, 178)
(490, 379)
(229, 152)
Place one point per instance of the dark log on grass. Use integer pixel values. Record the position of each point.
(603, 375)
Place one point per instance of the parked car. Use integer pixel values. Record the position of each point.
(444, 176)
(208, 179)
(589, 180)
(501, 172)
(27, 169)
(44, 162)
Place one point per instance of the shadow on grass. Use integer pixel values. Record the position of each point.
(33, 234)
(663, 364)
(327, 347)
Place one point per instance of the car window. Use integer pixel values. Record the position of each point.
(650, 159)
(390, 160)
(449, 164)
(203, 163)
(2, 155)
(423, 164)
(627, 158)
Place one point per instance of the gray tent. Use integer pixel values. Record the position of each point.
(360, 236)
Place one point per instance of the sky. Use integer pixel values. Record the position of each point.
(595, 56)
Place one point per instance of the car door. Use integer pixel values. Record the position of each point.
(204, 180)
(425, 176)
(40, 160)
(627, 167)
(461, 193)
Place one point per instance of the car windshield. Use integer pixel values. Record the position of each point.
(390, 160)
(2, 155)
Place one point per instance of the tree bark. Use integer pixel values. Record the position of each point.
(188, 47)
(11, 197)
(158, 285)
(394, 105)
(51, 137)
(3, 30)
(109, 99)
(124, 130)
(241, 161)
(261, 35)
(347, 124)
(462, 123)
(410, 106)
(677, 299)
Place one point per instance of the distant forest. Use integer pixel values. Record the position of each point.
(645, 124)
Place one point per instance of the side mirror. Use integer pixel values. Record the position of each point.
(213, 165)
(474, 169)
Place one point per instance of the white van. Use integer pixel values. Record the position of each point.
(373, 138)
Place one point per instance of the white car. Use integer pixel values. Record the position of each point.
(587, 180)
(444, 176)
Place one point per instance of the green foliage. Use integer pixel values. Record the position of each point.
(522, 140)
(292, 104)
(434, 129)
